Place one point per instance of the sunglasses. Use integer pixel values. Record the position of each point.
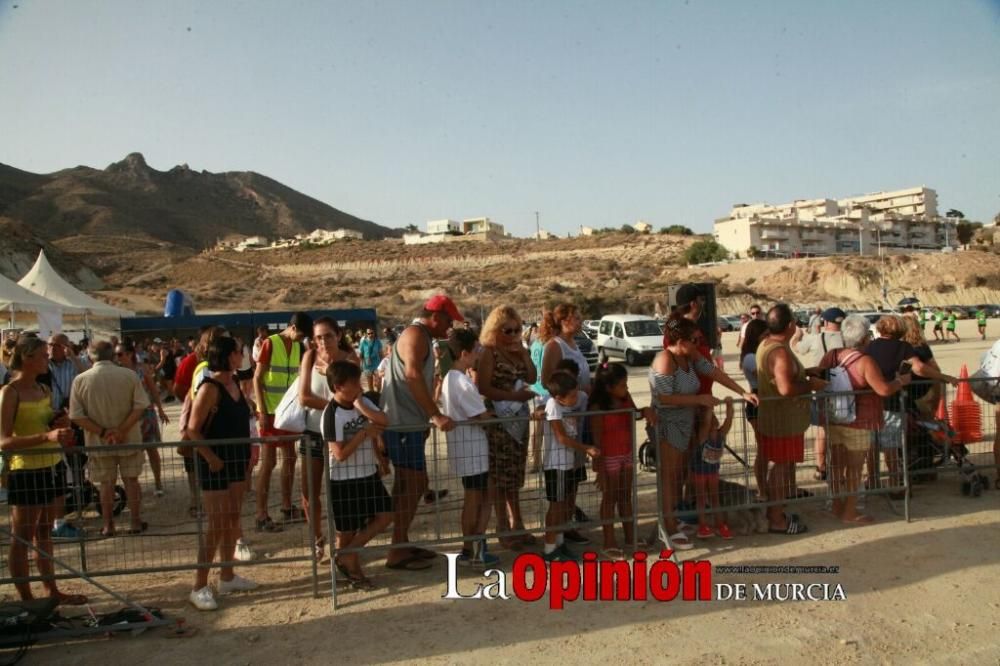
(511, 331)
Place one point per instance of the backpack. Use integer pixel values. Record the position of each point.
(841, 409)
(985, 381)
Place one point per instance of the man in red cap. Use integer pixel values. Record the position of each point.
(407, 399)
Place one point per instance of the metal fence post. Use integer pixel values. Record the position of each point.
(635, 488)
(310, 487)
(433, 483)
(904, 421)
(331, 530)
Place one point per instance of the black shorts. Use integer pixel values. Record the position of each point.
(580, 474)
(235, 463)
(354, 502)
(561, 483)
(312, 444)
(476, 481)
(36, 487)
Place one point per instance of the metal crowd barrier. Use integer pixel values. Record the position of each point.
(171, 542)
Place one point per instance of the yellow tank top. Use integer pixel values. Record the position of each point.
(777, 416)
(32, 418)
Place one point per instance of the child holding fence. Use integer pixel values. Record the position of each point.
(706, 457)
(360, 505)
(562, 443)
(468, 448)
(613, 435)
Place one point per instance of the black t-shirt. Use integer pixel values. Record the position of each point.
(888, 355)
(918, 388)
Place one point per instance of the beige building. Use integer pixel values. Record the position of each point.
(854, 225)
(471, 229)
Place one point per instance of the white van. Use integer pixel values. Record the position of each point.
(635, 338)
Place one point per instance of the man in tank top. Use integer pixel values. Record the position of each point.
(407, 400)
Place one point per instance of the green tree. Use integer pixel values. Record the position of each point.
(966, 230)
(752, 252)
(412, 227)
(627, 229)
(705, 251)
(677, 230)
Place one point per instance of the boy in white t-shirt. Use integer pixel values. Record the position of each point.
(561, 444)
(468, 447)
(360, 505)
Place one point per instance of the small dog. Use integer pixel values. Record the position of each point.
(742, 521)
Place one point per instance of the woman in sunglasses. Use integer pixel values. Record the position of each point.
(674, 381)
(505, 372)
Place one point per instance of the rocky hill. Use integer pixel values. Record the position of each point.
(189, 209)
(603, 274)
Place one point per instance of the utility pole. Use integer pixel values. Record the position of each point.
(538, 229)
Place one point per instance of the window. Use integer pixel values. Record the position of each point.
(605, 328)
(618, 331)
(642, 328)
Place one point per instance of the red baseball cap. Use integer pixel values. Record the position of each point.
(441, 303)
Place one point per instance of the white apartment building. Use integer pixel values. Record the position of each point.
(854, 225)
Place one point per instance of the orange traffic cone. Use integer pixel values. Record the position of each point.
(966, 414)
(942, 412)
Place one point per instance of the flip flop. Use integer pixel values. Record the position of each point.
(106, 533)
(423, 553)
(138, 530)
(71, 599)
(361, 582)
(411, 563)
(681, 541)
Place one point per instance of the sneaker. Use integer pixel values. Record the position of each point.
(482, 558)
(724, 532)
(705, 532)
(67, 532)
(575, 537)
(244, 553)
(203, 599)
(267, 525)
(237, 584)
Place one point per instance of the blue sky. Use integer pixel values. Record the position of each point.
(593, 113)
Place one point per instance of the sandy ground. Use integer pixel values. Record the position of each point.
(922, 592)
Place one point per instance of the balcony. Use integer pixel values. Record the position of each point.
(774, 234)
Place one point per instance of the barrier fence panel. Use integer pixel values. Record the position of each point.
(496, 486)
(160, 516)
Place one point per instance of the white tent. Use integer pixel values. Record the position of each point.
(14, 297)
(43, 280)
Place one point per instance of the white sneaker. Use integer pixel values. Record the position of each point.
(237, 584)
(244, 553)
(203, 599)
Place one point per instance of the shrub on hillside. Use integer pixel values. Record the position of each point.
(705, 251)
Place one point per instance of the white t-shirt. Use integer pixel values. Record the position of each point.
(246, 365)
(321, 389)
(812, 347)
(468, 448)
(383, 366)
(341, 424)
(555, 454)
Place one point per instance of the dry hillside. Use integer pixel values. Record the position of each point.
(603, 274)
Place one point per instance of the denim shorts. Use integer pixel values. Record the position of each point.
(406, 449)
(891, 434)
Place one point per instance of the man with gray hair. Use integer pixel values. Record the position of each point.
(108, 401)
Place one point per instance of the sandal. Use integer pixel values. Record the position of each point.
(143, 526)
(681, 541)
(819, 474)
(792, 526)
(63, 599)
(107, 533)
(613, 554)
(267, 525)
(361, 582)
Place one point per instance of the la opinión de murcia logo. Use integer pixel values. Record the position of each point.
(639, 580)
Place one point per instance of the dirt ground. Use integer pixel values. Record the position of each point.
(922, 591)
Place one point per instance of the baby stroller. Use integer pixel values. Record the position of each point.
(931, 443)
(81, 493)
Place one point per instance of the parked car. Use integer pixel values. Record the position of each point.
(586, 347)
(725, 325)
(635, 338)
(991, 310)
(590, 328)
